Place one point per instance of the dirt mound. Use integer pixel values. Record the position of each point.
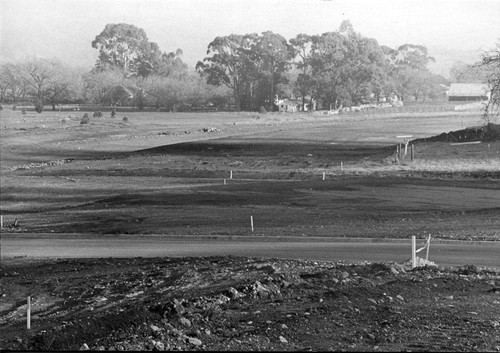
(489, 132)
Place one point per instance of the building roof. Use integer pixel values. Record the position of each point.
(468, 90)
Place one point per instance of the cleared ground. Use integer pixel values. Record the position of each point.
(163, 173)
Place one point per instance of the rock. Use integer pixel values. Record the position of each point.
(194, 341)
(344, 274)
(394, 271)
(283, 339)
(284, 327)
(234, 294)
(185, 322)
(154, 328)
(372, 300)
(84, 347)
(178, 307)
(159, 346)
(400, 297)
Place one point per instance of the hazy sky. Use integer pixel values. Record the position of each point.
(452, 30)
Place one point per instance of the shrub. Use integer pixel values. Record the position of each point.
(85, 119)
(125, 119)
(63, 121)
(14, 107)
(113, 113)
(262, 110)
(1, 107)
(97, 114)
(39, 107)
(23, 111)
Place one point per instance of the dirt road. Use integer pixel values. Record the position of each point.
(449, 253)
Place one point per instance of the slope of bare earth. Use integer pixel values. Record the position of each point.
(234, 303)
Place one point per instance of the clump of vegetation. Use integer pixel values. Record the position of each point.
(1, 107)
(97, 114)
(23, 111)
(39, 107)
(63, 121)
(125, 119)
(85, 119)
(113, 113)
(262, 110)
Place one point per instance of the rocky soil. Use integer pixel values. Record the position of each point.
(236, 303)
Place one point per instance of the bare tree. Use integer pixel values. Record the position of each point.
(491, 63)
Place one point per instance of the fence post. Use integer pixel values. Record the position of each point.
(28, 314)
(428, 246)
(251, 222)
(413, 252)
(231, 174)
(324, 175)
(412, 152)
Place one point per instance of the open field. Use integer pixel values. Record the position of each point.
(166, 176)
(160, 173)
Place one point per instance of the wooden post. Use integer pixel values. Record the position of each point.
(412, 152)
(231, 174)
(324, 175)
(413, 252)
(342, 166)
(224, 181)
(251, 222)
(406, 147)
(28, 314)
(428, 246)
(1, 221)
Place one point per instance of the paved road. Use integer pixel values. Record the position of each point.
(450, 253)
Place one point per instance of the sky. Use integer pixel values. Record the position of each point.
(452, 30)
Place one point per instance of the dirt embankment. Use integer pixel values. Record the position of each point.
(235, 303)
(489, 132)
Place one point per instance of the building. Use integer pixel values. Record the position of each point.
(288, 105)
(469, 92)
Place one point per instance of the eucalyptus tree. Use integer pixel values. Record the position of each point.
(229, 63)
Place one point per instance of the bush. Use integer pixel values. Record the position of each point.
(39, 107)
(113, 113)
(85, 119)
(262, 110)
(1, 107)
(14, 107)
(23, 111)
(63, 121)
(125, 119)
(97, 114)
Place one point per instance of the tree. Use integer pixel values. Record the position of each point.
(304, 82)
(271, 55)
(229, 64)
(345, 66)
(63, 85)
(13, 85)
(100, 86)
(127, 48)
(490, 63)
(37, 74)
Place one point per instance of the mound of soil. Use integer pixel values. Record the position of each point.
(489, 132)
(250, 304)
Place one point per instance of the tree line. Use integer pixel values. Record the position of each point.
(339, 68)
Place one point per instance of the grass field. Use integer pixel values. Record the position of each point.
(163, 173)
